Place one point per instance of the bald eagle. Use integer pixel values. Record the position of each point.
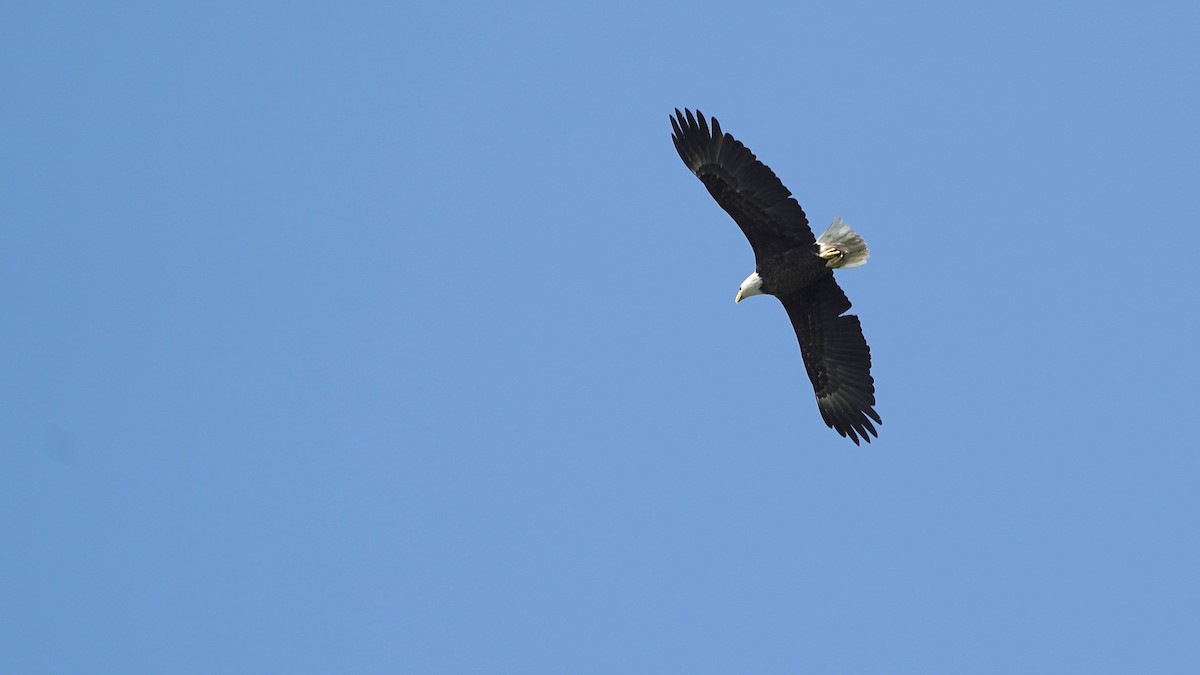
(793, 266)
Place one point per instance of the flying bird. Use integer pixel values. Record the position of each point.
(793, 266)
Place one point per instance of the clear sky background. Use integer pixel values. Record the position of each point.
(395, 337)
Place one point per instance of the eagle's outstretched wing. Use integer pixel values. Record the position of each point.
(746, 188)
(836, 356)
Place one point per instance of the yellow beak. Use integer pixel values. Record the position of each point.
(738, 298)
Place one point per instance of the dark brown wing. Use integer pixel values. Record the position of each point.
(836, 356)
(746, 188)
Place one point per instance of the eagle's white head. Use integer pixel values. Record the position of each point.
(751, 286)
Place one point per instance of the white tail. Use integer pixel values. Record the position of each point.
(841, 246)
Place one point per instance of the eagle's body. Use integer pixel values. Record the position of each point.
(791, 271)
(794, 266)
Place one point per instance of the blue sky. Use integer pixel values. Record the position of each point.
(396, 338)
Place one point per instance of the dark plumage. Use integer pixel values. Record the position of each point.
(793, 266)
